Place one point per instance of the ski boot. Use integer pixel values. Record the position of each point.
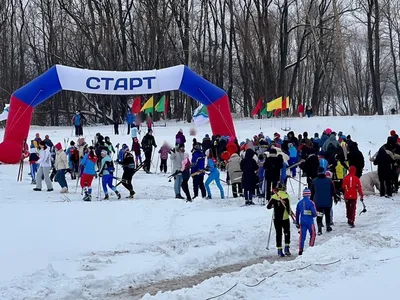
(118, 194)
(131, 195)
(179, 197)
(189, 199)
(351, 224)
(33, 181)
(301, 252)
(280, 253)
(329, 229)
(287, 251)
(106, 197)
(319, 230)
(87, 197)
(209, 198)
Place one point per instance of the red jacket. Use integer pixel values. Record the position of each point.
(231, 148)
(352, 185)
(301, 108)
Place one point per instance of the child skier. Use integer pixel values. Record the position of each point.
(136, 148)
(352, 188)
(305, 214)
(33, 158)
(106, 172)
(89, 164)
(73, 159)
(281, 203)
(164, 152)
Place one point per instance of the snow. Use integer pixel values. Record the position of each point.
(51, 249)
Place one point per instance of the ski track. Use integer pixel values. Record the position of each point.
(156, 247)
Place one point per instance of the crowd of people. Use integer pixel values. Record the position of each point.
(259, 167)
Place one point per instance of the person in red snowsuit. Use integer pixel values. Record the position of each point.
(352, 188)
(301, 110)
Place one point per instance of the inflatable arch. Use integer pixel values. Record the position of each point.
(59, 77)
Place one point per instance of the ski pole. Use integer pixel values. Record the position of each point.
(299, 194)
(364, 207)
(270, 230)
(158, 159)
(99, 190)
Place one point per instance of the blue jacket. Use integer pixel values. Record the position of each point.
(305, 212)
(134, 132)
(104, 160)
(292, 152)
(283, 172)
(211, 166)
(130, 118)
(323, 163)
(121, 154)
(89, 165)
(198, 161)
(323, 139)
(77, 120)
(322, 191)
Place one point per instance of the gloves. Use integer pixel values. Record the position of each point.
(362, 199)
(297, 225)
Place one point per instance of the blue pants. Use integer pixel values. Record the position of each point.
(291, 162)
(248, 195)
(303, 234)
(34, 168)
(107, 180)
(60, 177)
(214, 176)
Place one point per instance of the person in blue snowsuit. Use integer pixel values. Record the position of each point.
(121, 153)
(106, 172)
(305, 214)
(292, 158)
(130, 120)
(198, 161)
(214, 175)
(323, 163)
(76, 120)
(88, 162)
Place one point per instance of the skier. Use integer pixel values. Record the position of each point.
(48, 142)
(322, 193)
(185, 169)
(33, 158)
(134, 133)
(164, 151)
(44, 168)
(117, 121)
(249, 168)
(305, 214)
(106, 172)
(235, 174)
(89, 171)
(293, 158)
(177, 157)
(214, 175)
(109, 145)
(81, 122)
(149, 123)
(128, 163)
(180, 136)
(76, 121)
(198, 161)
(73, 159)
(61, 166)
(272, 166)
(136, 149)
(352, 188)
(130, 120)
(281, 203)
(147, 144)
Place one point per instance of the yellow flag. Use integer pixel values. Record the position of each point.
(274, 104)
(148, 105)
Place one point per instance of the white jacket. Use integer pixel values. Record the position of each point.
(45, 158)
(61, 162)
(369, 182)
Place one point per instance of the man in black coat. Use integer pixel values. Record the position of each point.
(273, 166)
(249, 168)
(310, 168)
(147, 144)
(207, 143)
(384, 162)
(356, 159)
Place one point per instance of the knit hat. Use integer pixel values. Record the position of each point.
(392, 132)
(306, 192)
(328, 174)
(104, 152)
(58, 146)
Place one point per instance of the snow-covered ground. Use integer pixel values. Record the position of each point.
(52, 249)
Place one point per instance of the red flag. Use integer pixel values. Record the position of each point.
(277, 112)
(136, 105)
(258, 107)
(166, 107)
(285, 103)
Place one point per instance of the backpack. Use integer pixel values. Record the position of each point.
(74, 154)
(109, 166)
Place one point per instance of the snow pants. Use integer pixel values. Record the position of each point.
(236, 189)
(321, 211)
(34, 168)
(282, 225)
(86, 182)
(116, 129)
(107, 181)
(60, 177)
(185, 188)
(351, 206)
(248, 195)
(163, 165)
(147, 161)
(291, 162)
(43, 171)
(271, 184)
(303, 235)
(198, 183)
(127, 179)
(214, 176)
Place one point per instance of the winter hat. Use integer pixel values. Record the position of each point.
(321, 170)
(46, 136)
(328, 174)
(207, 136)
(316, 134)
(58, 146)
(392, 132)
(104, 152)
(306, 192)
(181, 130)
(328, 131)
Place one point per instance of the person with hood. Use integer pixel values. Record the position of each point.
(330, 145)
(291, 138)
(249, 168)
(198, 162)
(177, 157)
(164, 153)
(355, 158)
(280, 202)
(285, 158)
(136, 148)
(322, 194)
(207, 143)
(369, 182)
(235, 174)
(352, 188)
(121, 153)
(44, 168)
(148, 142)
(310, 167)
(185, 169)
(232, 147)
(180, 136)
(273, 165)
(213, 176)
(61, 166)
(48, 141)
(316, 142)
(106, 173)
(88, 162)
(305, 214)
(384, 162)
(130, 120)
(293, 158)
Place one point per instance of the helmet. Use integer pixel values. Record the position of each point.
(281, 187)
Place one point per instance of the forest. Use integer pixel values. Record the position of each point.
(339, 56)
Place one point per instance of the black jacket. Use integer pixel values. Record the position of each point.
(207, 144)
(356, 159)
(310, 166)
(273, 166)
(148, 142)
(249, 166)
(384, 163)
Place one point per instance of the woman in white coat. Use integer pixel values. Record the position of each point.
(235, 174)
(61, 165)
(44, 163)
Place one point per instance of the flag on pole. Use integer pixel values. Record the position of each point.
(200, 115)
(274, 104)
(160, 106)
(258, 107)
(264, 111)
(148, 106)
(269, 114)
(135, 109)
(285, 103)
